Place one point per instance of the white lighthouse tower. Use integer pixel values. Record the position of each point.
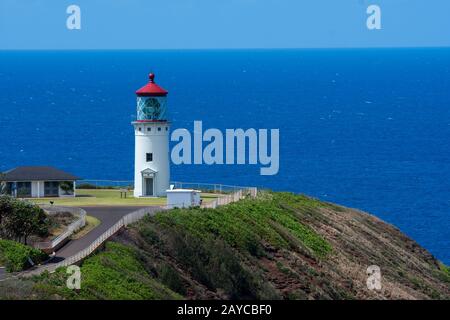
(151, 129)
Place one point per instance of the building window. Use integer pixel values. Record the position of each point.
(159, 129)
(149, 129)
(139, 129)
(9, 188)
(24, 189)
(149, 157)
(167, 128)
(51, 189)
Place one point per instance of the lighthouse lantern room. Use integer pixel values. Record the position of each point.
(151, 129)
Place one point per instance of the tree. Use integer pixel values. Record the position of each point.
(32, 220)
(21, 219)
(67, 187)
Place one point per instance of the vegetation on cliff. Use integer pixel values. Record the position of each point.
(278, 246)
(17, 257)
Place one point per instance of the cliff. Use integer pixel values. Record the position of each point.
(278, 246)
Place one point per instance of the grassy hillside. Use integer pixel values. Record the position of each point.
(279, 246)
(16, 257)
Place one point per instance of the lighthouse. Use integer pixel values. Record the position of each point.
(151, 130)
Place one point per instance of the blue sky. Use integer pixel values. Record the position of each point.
(191, 24)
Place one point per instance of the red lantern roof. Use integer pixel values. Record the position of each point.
(151, 89)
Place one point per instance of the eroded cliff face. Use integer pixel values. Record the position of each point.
(278, 246)
(360, 240)
(286, 246)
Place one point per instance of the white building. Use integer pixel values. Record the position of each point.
(38, 182)
(183, 198)
(151, 129)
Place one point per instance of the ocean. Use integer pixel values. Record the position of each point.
(365, 128)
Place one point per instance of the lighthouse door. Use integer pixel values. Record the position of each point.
(149, 187)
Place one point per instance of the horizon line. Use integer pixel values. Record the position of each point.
(225, 49)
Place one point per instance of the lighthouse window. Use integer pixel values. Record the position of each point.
(149, 157)
(167, 128)
(149, 129)
(139, 129)
(159, 129)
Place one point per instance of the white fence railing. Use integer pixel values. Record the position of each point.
(126, 184)
(207, 187)
(49, 246)
(104, 184)
(229, 198)
(126, 220)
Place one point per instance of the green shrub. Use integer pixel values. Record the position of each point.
(210, 261)
(170, 277)
(445, 272)
(14, 256)
(116, 273)
(20, 219)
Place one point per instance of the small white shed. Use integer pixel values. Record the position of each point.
(183, 198)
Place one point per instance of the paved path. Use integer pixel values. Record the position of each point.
(108, 217)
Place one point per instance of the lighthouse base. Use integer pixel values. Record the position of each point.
(149, 183)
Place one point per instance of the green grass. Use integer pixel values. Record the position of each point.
(106, 197)
(14, 256)
(115, 273)
(247, 223)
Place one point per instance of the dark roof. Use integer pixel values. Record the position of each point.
(37, 174)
